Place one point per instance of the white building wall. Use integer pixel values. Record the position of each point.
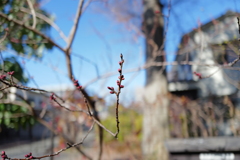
(221, 32)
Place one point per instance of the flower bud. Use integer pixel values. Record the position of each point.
(10, 73)
(2, 77)
(121, 86)
(111, 92)
(199, 75)
(118, 82)
(3, 156)
(51, 98)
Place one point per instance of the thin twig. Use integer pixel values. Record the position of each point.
(27, 105)
(61, 150)
(22, 87)
(120, 86)
(88, 112)
(68, 109)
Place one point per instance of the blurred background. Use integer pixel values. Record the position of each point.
(181, 69)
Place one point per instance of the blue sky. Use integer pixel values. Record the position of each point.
(101, 38)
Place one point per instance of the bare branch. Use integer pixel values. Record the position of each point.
(21, 87)
(33, 13)
(63, 136)
(61, 150)
(88, 112)
(4, 37)
(74, 27)
(86, 5)
(89, 61)
(31, 29)
(120, 86)
(49, 21)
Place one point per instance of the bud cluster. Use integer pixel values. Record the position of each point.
(29, 156)
(121, 77)
(3, 155)
(75, 82)
(3, 77)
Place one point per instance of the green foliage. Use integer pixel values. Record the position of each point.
(130, 124)
(11, 64)
(13, 116)
(21, 40)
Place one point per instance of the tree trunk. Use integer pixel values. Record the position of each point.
(155, 122)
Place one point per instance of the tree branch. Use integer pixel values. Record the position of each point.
(49, 21)
(74, 27)
(33, 13)
(31, 29)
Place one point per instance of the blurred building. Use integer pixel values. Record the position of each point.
(37, 100)
(210, 51)
(21, 125)
(208, 107)
(206, 47)
(50, 111)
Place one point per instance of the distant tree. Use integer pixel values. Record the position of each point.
(155, 121)
(20, 38)
(13, 115)
(11, 64)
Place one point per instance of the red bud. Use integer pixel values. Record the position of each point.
(2, 77)
(199, 75)
(111, 92)
(10, 73)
